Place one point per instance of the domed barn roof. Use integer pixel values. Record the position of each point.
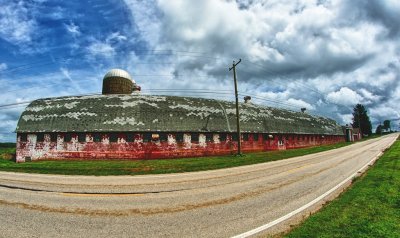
(106, 113)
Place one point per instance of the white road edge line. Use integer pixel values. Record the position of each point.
(289, 215)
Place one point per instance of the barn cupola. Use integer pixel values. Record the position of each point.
(118, 81)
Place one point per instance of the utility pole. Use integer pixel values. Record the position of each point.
(237, 107)
(359, 123)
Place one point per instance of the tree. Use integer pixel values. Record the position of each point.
(386, 125)
(361, 120)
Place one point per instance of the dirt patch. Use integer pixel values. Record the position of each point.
(8, 156)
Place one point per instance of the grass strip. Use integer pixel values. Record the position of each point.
(369, 208)
(138, 167)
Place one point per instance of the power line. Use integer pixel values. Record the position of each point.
(303, 85)
(153, 52)
(27, 102)
(66, 59)
(13, 104)
(182, 91)
(85, 80)
(204, 55)
(44, 86)
(188, 91)
(277, 102)
(168, 52)
(276, 72)
(168, 75)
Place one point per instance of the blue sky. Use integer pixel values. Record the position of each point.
(59, 34)
(323, 55)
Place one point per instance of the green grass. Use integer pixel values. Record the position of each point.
(129, 167)
(370, 208)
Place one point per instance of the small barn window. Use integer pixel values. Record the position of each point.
(67, 137)
(208, 137)
(265, 137)
(130, 137)
(179, 137)
(195, 137)
(23, 137)
(40, 137)
(255, 137)
(113, 137)
(246, 137)
(97, 137)
(234, 137)
(222, 137)
(163, 136)
(81, 137)
(53, 137)
(146, 137)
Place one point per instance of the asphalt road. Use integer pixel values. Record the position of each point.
(218, 203)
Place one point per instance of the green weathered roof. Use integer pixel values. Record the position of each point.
(163, 113)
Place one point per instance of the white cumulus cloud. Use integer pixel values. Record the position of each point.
(345, 96)
(300, 103)
(324, 55)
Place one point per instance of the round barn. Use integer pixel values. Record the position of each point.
(123, 124)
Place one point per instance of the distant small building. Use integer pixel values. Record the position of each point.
(351, 134)
(123, 124)
(356, 134)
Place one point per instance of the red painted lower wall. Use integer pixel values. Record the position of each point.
(32, 149)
